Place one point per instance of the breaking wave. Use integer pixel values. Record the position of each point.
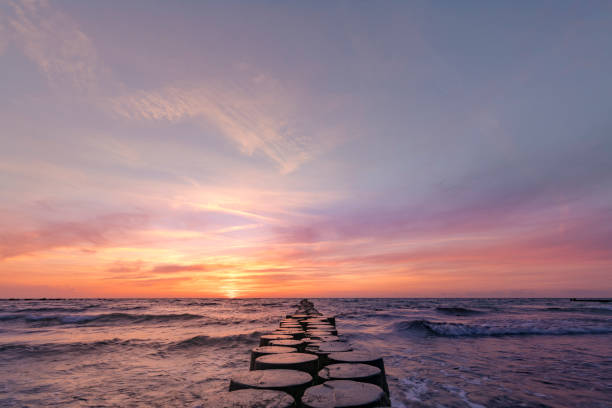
(446, 329)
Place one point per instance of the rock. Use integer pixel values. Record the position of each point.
(300, 345)
(271, 349)
(345, 394)
(363, 357)
(334, 347)
(325, 348)
(296, 334)
(355, 372)
(322, 332)
(251, 398)
(265, 339)
(290, 361)
(292, 382)
(329, 338)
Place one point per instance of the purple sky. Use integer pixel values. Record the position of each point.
(228, 148)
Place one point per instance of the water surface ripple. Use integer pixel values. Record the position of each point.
(174, 352)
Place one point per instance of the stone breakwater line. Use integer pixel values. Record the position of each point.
(305, 363)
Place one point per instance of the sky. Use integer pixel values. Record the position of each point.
(320, 149)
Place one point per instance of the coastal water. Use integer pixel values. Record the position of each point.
(176, 352)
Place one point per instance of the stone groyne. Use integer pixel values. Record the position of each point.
(305, 363)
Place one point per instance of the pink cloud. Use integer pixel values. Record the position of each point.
(96, 232)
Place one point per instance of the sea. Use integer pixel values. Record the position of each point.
(468, 353)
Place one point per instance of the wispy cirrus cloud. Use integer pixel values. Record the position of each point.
(259, 114)
(55, 43)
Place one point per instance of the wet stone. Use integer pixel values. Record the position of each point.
(311, 342)
(292, 382)
(334, 347)
(358, 357)
(356, 372)
(292, 361)
(316, 320)
(300, 316)
(325, 338)
(321, 328)
(271, 349)
(325, 319)
(296, 334)
(298, 344)
(325, 348)
(266, 338)
(345, 394)
(313, 333)
(363, 357)
(312, 349)
(251, 398)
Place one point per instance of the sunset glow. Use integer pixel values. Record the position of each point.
(300, 152)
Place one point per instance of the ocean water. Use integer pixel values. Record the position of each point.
(177, 352)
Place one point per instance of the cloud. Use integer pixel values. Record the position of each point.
(55, 43)
(99, 231)
(126, 268)
(258, 114)
(175, 268)
(139, 269)
(158, 281)
(261, 115)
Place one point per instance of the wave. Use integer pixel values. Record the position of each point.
(21, 349)
(203, 304)
(100, 318)
(231, 340)
(446, 329)
(55, 309)
(130, 308)
(381, 315)
(594, 310)
(458, 311)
